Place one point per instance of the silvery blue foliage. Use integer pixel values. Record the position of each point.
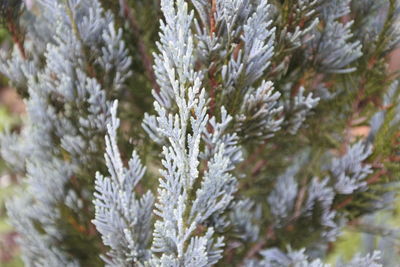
(370, 260)
(115, 58)
(16, 152)
(229, 18)
(214, 99)
(39, 249)
(321, 192)
(244, 217)
(333, 47)
(275, 258)
(74, 85)
(298, 258)
(123, 220)
(246, 65)
(380, 233)
(176, 59)
(332, 10)
(299, 109)
(58, 90)
(349, 170)
(347, 174)
(371, 15)
(307, 6)
(258, 117)
(389, 99)
(260, 109)
(16, 68)
(180, 215)
(281, 199)
(232, 18)
(321, 196)
(303, 10)
(258, 43)
(218, 134)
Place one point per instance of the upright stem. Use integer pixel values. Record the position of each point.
(144, 56)
(16, 37)
(212, 70)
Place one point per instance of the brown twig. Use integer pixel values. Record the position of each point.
(299, 201)
(354, 114)
(270, 231)
(212, 17)
(144, 56)
(10, 12)
(372, 180)
(259, 245)
(258, 167)
(212, 69)
(16, 37)
(253, 156)
(213, 88)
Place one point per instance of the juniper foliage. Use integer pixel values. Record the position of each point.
(274, 125)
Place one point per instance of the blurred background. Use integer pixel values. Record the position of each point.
(12, 112)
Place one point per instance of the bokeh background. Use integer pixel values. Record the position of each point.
(12, 113)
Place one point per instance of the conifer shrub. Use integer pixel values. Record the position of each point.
(201, 132)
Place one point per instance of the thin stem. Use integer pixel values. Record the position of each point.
(212, 70)
(16, 37)
(144, 56)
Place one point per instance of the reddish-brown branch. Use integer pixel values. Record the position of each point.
(213, 88)
(354, 114)
(16, 37)
(237, 49)
(299, 201)
(343, 204)
(355, 108)
(374, 179)
(253, 156)
(230, 251)
(258, 167)
(144, 56)
(259, 245)
(212, 17)
(212, 70)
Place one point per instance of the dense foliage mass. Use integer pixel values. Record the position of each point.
(274, 125)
